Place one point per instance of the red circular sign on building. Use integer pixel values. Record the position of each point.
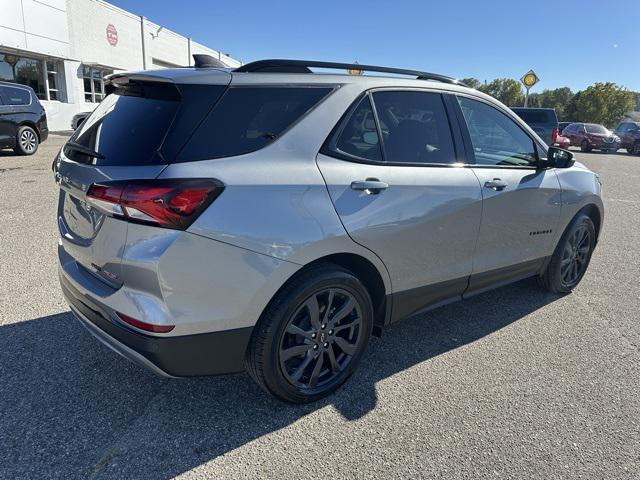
(112, 35)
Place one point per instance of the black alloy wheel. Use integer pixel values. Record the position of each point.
(321, 338)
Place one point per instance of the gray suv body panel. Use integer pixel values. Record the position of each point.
(430, 235)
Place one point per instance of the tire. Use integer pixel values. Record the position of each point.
(584, 146)
(288, 323)
(571, 257)
(630, 150)
(635, 150)
(26, 141)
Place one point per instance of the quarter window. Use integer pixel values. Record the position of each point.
(358, 136)
(249, 118)
(496, 139)
(415, 127)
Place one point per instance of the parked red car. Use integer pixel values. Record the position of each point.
(563, 142)
(591, 136)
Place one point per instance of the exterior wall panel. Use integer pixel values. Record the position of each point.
(73, 33)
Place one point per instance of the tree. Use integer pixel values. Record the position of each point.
(605, 103)
(557, 99)
(571, 109)
(472, 82)
(507, 90)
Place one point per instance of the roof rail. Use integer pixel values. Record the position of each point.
(302, 66)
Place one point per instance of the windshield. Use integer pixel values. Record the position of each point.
(592, 128)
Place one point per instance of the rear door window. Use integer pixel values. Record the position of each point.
(415, 127)
(15, 96)
(249, 118)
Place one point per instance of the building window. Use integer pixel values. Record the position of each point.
(25, 71)
(93, 79)
(55, 80)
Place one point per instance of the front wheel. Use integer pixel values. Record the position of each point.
(26, 141)
(571, 257)
(584, 146)
(635, 150)
(312, 335)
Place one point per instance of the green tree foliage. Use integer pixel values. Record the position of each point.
(605, 103)
(472, 82)
(571, 109)
(507, 90)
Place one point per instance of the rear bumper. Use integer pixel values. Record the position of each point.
(178, 356)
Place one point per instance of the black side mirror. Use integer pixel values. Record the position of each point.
(559, 158)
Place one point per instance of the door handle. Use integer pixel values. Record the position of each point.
(371, 186)
(496, 184)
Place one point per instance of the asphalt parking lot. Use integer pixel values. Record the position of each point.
(514, 383)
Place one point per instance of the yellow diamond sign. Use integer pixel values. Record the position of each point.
(529, 79)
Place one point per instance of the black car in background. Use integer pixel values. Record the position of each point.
(543, 121)
(23, 121)
(629, 133)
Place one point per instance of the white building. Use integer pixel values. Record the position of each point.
(64, 48)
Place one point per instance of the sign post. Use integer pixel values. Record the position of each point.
(529, 79)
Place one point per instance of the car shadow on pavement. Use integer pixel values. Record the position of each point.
(72, 408)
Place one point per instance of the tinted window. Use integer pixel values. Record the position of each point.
(415, 127)
(592, 128)
(15, 96)
(249, 118)
(358, 135)
(535, 116)
(128, 127)
(496, 139)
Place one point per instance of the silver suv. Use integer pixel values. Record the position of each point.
(271, 219)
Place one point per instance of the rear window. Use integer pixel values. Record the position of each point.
(127, 127)
(15, 96)
(545, 117)
(249, 118)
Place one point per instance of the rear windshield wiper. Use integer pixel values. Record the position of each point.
(84, 150)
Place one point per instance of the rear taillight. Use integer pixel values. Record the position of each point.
(554, 134)
(170, 203)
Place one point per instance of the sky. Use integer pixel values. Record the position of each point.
(572, 43)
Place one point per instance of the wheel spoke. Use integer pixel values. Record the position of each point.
(296, 330)
(314, 311)
(315, 373)
(345, 346)
(335, 366)
(302, 367)
(345, 310)
(352, 323)
(325, 317)
(584, 238)
(293, 352)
